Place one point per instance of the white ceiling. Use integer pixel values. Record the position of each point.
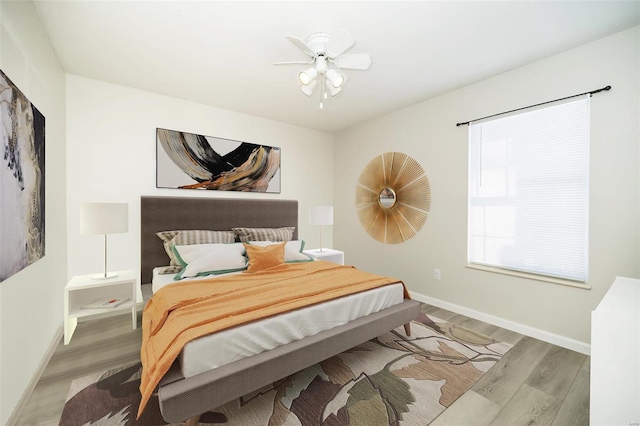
(220, 53)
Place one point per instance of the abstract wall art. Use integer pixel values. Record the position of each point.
(191, 161)
(22, 213)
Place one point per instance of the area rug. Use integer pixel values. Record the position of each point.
(390, 380)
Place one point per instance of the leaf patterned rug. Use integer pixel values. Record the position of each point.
(390, 380)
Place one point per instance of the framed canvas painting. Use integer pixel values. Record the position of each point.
(191, 161)
(22, 213)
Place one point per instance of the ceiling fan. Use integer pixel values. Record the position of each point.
(328, 59)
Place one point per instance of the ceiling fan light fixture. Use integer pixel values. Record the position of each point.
(307, 76)
(308, 89)
(333, 90)
(328, 58)
(336, 78)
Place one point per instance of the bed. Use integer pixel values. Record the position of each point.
(183, 397)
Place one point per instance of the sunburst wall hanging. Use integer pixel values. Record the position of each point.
(393, 197)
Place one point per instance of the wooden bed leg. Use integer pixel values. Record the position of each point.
(193, 421)
(407, 328)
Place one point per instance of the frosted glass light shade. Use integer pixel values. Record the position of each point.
(308, 75)
(104, 218)
(335, 77)
(321, 215)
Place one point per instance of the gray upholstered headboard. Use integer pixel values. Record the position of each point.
(216, 214)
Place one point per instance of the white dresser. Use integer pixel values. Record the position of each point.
(615, 356)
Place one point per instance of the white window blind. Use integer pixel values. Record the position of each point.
(529, 191)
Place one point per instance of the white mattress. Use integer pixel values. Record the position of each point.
(230, 345)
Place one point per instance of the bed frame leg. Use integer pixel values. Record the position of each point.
(193, 421)
(407, 328)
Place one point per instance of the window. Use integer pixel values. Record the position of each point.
(529, 192)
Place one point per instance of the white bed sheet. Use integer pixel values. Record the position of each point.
(218, 349)
(160, 280)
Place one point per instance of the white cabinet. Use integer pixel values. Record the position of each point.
(615, 356)
(83, 290)
(330, 255)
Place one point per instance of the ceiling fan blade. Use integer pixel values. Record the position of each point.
(293, 62)
(353, 61)
(340, 43)
(302, 46)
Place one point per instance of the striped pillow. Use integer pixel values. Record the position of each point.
(189, 237)
(166, 270)
(264, 234)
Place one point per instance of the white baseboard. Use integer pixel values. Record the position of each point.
(36, 378)
(555, 339)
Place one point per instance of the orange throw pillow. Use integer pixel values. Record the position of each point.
(265, 257)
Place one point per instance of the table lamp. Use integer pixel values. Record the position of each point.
(104, 219)
(321, 215)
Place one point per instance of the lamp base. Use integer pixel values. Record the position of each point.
(104, 276)
(322, 250)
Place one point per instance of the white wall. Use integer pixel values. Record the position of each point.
(31, 301)
(111, 149)
(427, 132)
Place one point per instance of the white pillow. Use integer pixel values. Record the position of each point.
(292, 250)
(207, 259)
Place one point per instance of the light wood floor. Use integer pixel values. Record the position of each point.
(535, 383)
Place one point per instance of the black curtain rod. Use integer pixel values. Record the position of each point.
(531, 106)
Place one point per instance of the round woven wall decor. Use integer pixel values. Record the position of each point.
(393, 197)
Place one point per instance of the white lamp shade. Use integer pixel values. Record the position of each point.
(335, 78)
(308, 75)
(104, 218)
(308, 89)
(321, 215)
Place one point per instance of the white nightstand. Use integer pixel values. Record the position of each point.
(83, 290)
(330, 255)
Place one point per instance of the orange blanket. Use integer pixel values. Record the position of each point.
(184, 311)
